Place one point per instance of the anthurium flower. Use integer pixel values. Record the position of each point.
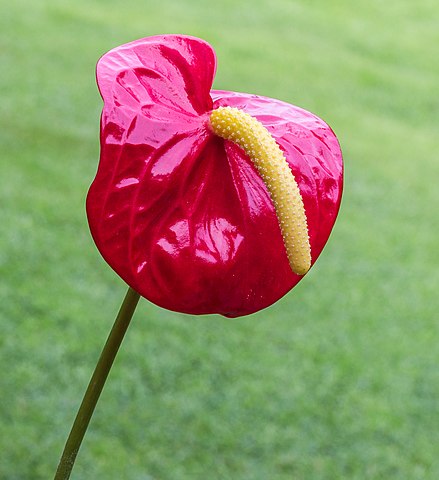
(206, 201)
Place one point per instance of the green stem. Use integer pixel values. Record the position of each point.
(96, 385)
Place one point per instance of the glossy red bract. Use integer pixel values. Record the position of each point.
(182, 215)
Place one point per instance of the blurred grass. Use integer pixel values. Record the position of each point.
(340, 379)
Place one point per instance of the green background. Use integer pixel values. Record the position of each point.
(339, 379)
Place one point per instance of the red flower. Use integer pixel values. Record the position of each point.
(184, 216)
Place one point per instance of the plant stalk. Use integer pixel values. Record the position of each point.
(96, 385)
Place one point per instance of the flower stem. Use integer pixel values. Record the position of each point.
(96, 385)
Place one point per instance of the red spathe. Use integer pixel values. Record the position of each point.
(182, 215)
